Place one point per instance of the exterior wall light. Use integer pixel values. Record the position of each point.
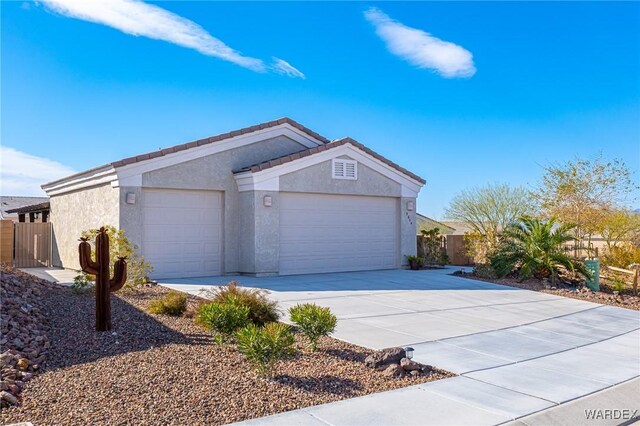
(131, 198)
(267, 201)
(409, 352)
(410, 206)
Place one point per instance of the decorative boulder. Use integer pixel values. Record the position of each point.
(410, 365)
(394, 370)
(384, 357)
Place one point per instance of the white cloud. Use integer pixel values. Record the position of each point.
(141, 19)
(420, 48)
(22, 173)
(283, 67)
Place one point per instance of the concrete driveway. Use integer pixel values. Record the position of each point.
(517, 352)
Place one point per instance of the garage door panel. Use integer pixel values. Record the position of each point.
(327, 233)
(182, 232)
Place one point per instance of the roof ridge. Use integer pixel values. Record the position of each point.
(217, 138)
(334, 143)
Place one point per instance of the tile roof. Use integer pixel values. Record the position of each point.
(217, 138)
(311, 151)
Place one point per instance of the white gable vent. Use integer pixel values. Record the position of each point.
(345, 169)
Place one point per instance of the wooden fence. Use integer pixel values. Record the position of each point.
(6, 241)
(32, 245)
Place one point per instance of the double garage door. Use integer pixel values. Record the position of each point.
(182, 232)
(333, 233)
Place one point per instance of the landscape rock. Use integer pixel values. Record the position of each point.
(384, 357)
(24, 330)
(410, 365)
(394, 370)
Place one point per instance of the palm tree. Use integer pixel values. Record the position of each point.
(536, 247)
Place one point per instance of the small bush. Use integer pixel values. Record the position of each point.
(173, 303)
(261, 309)
(314, 322)
(264, 346)
(81, 283)
(138, 269)
(223, 318)
(484, 270)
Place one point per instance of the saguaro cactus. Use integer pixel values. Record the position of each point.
(100, 268)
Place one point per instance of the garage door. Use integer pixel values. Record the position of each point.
(182, 232)
(332, 233)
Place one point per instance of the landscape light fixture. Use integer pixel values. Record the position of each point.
(409, 352)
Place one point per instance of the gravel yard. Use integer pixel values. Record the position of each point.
(154, 369)
(627, 300)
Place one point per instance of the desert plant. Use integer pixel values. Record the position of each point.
(138, 269)
(487, 210)
(415, 262)
(484, 270)
(313, 321)
(173, 303)
(618, 285)
(223, 317)
(81, 283)
(261, 309)
(622, 255)
(535, 247)
(264, 346)
(431, 247)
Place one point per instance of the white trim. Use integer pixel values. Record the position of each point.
(344, 169)
(130, 175)
(103, 175)
(248, 181)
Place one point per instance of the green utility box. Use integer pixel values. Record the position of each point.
(593, 266)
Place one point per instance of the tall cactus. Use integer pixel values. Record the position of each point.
(100, 268)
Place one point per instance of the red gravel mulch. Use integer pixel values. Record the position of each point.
(606, 297)
(154, 369)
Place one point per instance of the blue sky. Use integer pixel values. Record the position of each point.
(460, 93)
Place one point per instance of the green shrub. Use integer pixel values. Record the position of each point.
(81, 283)
(536, 248)
(314, 321)
(173, 303)
(264, 346)
(223, 318)
(261, 309)
(138, 269)
(484, 270)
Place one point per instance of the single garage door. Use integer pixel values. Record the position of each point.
(332, 233)
(182, 232)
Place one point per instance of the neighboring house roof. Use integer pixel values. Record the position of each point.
(31, 208)
(426, 223)
(459, 228)
(311, 151)
(11, 202)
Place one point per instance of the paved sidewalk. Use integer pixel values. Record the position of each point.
(56, 275)
(518, 352)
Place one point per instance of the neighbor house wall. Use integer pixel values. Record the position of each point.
(213, 172)
(74, 212)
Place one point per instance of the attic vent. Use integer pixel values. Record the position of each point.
(345, 169)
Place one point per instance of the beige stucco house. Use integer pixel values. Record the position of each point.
(275, 198)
